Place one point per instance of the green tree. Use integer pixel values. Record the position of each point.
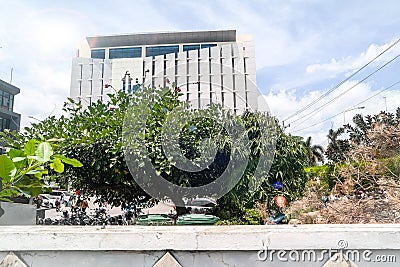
(337, 149)
(288, 164)
(315, 152)
(95, 137)
(362, 125)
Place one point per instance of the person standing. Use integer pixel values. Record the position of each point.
(58, 204)
(84, 205)
(62, 199)
(73, 204)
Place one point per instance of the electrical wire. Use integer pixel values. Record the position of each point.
(342, 82)
(354, 106)
(305, 117)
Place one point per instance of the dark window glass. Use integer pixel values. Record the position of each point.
(11, 106)
(5, 103)
(191, 47)
(4, 124)
(7, 124)
(98, 53)
(128, 52)
(161, 50)
(208, 45)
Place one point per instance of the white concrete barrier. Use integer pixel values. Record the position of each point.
(18, 214)
(281, 245)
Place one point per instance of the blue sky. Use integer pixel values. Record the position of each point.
(303, 48)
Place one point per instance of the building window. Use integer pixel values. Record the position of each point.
(128, 52)
(197, 47)
(11, 106)
(6, 101)
(191, 47)
(161, 50)
(4, 124)
(208, 45)
(98, 53)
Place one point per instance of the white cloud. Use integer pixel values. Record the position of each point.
(284, 103)
(335, 66)
(48, 89)
(49, 80)
(37, 104)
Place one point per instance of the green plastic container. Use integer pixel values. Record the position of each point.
(154, 219)
(197, 219)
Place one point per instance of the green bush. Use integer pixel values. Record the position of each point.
(328, 175)
(393, 166)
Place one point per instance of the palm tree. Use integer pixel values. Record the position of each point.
(333, 135)
(315, 152)
(337, 149)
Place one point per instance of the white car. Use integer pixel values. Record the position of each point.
(201, 205)
(47, 201)
(60, 194)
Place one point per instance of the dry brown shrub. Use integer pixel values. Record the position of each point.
(367, 192)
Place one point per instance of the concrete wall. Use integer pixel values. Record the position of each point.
(18, 214)
(201, 246)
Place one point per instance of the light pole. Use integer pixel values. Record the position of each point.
(350, 109)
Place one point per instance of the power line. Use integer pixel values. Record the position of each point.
(342, 82)
(341, 94)
(358, 104)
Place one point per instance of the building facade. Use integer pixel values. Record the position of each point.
(208, 67)
(8, 118)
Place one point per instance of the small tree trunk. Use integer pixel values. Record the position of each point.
(180, 208)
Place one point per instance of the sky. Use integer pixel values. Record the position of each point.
(303, 50)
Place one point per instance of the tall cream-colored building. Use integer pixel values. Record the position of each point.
(208, 66)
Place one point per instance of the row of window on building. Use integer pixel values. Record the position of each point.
(152, 51)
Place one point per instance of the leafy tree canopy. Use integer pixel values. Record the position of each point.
(95, 136)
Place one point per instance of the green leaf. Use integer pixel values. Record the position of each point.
(13, 153)
(44, 151)
(18, 159)
(57, 165)
(34, 172)
(6, 168)
(33, 157)
(73, 162)
(30, 148)
(31, 190)
(39, 175)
